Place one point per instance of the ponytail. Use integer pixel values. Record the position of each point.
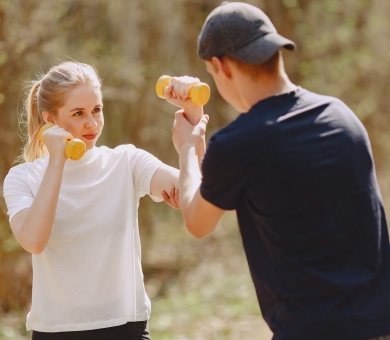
(33, 148)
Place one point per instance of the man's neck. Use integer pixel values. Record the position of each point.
(255, 90)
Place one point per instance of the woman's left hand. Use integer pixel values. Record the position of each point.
(177, 93)
(172, 198)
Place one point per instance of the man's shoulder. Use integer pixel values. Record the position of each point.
(311, 97)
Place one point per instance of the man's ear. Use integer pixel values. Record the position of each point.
(223, 65)
(216, 64)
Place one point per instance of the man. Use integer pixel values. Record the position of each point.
(297, 168)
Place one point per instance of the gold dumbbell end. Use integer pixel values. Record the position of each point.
(200, 94)
(75, 149)
(161, 84)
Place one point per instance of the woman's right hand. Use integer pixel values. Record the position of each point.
(55, 139)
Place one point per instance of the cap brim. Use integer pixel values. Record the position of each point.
(263, 48)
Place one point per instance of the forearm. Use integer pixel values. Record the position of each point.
(200, 216)
(189, 183)
(193, 115)
(189, 178)
(34, 227)
(201, 150)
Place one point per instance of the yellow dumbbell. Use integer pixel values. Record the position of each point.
(75, 148)
(199, 93)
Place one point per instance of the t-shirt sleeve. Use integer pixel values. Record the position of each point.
(222, 181)
(143, 166)
(16, 191)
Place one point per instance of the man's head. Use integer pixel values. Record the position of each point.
(241, 31)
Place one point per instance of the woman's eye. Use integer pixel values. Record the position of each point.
(78, 113)
(97, 109)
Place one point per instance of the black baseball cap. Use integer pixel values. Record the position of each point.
(241, 31)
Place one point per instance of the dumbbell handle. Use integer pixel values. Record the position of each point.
(199, 93)
(75, 148)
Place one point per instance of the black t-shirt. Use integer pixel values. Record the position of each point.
(298, 170)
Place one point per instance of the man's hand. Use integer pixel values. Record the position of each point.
(185, 134)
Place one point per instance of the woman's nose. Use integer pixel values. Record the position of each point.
(91, 122)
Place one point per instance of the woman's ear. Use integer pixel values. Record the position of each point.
(47, 117)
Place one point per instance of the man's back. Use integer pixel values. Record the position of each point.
(299, 171)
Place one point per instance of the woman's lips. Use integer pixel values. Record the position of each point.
(90, 136)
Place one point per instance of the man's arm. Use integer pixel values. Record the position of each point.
(189, 128)
(200, 216)
(177, 93)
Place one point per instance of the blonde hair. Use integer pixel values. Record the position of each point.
(48, 93)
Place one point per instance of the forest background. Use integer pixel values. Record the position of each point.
(200, 289)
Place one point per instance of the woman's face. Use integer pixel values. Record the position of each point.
(82, 114)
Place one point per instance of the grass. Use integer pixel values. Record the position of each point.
(200, 289)
(212, 296)
(12, 326)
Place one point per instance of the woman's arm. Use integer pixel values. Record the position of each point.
(164, 185)
(32, 227)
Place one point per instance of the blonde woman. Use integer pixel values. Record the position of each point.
(78, 218)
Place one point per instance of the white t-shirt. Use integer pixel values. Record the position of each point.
(89, 276)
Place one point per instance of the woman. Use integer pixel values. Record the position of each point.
(78, 218)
